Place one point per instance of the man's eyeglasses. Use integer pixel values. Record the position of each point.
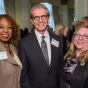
(43, 17)
(83, 36)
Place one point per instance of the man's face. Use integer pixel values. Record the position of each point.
(40, 19)
(85, 22)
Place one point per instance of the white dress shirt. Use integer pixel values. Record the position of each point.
(47, 39)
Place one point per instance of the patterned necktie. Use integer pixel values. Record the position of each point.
(44, 49)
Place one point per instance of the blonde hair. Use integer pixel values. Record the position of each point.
(83, 57)
(58, 28)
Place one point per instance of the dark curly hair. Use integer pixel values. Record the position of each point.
(13, 23)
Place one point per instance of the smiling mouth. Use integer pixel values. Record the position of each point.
(6, 36)
(80, 43)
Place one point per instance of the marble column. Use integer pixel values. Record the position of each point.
(81, 9)
(22, 13)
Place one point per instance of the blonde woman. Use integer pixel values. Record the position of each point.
(74, 71)
(59, 29)
(63, 32)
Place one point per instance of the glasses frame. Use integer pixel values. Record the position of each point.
(43, 17)
(83, 36)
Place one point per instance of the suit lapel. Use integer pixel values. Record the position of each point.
(9, 58)
(38, 48)
(52, 51)
(16, 58)
(39, 51)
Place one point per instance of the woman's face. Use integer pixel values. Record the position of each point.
(5, 30)
(81, 39)
(61, 32)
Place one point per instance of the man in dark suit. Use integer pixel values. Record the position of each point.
(38, 72)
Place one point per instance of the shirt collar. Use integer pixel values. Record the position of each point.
(46, 34)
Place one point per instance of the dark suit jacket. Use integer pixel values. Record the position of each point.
(80, 76)
(36, 73)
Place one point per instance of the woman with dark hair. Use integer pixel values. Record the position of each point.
(10, 65)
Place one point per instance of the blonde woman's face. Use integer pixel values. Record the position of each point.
(81, 39)
(61, 32)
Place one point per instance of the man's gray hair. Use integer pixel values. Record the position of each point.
(39, 6)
